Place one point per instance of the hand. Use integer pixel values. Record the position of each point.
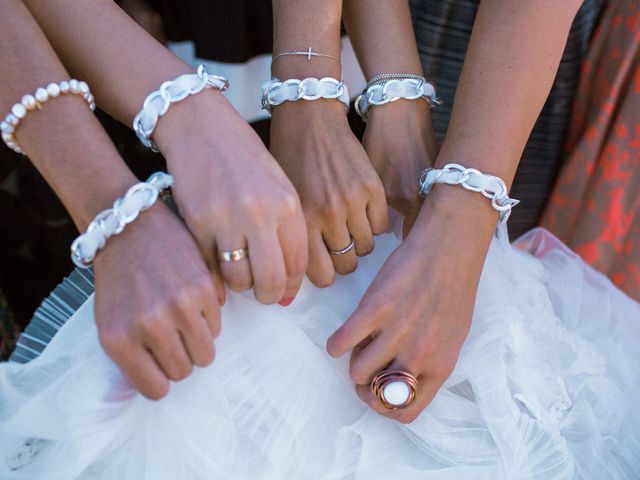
(417, 312)
(155, 306)
(232, 194)
(401, 143)
(342, 197)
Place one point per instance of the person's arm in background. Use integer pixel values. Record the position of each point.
(230, 191)
(145, 16)
(418, 309)
(155, 304)
(341, 195)
(399, 137)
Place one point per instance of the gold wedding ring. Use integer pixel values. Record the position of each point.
(233, 255)
(395, 389)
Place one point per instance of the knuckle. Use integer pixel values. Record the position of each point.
(206, 357)
(359, 374)
(215, 327)
(181, 298)
(197, 218)
(112, 341)
(182, 371)
(290, 203)
(445, 368)
(428, 346)
(374, 186)
(203, 283)
(404, 328)
(364, 247)
(157, 391)
(297, 265)
(252, 207)
(237, 281)
(323, 280)
(274, 280)
(155, 326)
(270, 288)
(347, 268)
(407, 417)
(331, 209)
(379, 306)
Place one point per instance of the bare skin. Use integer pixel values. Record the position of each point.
(341, 195)
(155, 305)
(399, 137)
(417, 312)
(230, 191)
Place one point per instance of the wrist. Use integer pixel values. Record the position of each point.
(323, 108)
(194, 115)
(467, 214)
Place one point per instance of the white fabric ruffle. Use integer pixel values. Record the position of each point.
(546, 387)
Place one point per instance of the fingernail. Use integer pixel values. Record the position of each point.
(285, 302)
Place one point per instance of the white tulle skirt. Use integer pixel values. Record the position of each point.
(547, 387)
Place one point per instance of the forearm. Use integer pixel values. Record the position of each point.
(510, 66)
(64, 140)
(382, 36)
(301, 24)
(99, 42)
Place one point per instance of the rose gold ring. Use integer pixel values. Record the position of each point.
(233, 255)
(395, 389)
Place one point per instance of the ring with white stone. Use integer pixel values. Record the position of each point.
(395, 389)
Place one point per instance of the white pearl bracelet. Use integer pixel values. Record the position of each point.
(111, 222)
(389, 90)
(275, 92)
(157, 103)
(471, 179)
(32, 102)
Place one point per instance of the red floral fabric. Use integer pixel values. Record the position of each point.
(595, 205)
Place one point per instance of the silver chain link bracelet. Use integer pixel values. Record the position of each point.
(157, 103)
(471, 179)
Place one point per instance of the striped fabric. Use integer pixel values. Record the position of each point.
(443, 29)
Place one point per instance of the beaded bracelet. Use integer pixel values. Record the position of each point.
(112, 222)
(32, 102)
(157, 103)
(489, 186)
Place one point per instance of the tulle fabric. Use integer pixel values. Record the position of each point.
(546, 387)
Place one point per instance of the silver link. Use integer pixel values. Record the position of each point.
(307, 89)
(471, 179)
(157, 103)
(111, 222)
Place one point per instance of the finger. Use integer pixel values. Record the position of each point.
(211, 313)
(360, 229)
(170, 352)
(320, 270)
(293, 241)
(236, 274)
(143, 372)
(367, 361)
(197, 339)
(218, 282)
(377, 213)
(427, 390)
(360, 325)
(267, 267)
(210, 257)
(336, 238)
